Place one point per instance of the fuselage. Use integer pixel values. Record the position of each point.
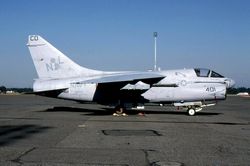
(178, 86)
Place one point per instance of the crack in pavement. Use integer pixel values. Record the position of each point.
(18, 159)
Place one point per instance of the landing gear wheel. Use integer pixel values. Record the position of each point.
(119, 110)
(191, 111)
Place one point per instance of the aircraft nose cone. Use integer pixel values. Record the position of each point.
(230, 82)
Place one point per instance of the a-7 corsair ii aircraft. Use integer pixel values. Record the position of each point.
(60, 77)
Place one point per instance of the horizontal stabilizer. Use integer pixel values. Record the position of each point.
(49, 93)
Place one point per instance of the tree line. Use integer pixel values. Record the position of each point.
(3, 89)
(238, 90)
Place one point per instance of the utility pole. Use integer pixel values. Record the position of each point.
(155, 65)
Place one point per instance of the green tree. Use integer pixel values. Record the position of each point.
(3, 89)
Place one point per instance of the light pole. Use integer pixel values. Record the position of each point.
(155, 65)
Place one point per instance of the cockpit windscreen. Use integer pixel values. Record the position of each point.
(207, 73)
(216, 75)
(202, 72)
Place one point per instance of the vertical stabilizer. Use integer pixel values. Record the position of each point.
(50, 63)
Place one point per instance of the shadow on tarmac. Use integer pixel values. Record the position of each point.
(81, 110)
(10, 134)
(109, 111)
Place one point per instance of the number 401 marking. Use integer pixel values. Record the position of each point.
(211, 89)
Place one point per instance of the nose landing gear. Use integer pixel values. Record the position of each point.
(192, 110)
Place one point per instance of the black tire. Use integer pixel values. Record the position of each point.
(119, 109)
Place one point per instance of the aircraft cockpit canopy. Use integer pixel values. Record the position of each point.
(207, 73)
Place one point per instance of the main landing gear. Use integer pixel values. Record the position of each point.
(119, 111)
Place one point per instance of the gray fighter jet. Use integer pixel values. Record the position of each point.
(60, 77)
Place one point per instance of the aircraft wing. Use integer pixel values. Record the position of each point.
(110, 88)
(146, 77)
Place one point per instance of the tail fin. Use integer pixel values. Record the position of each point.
(50, 63)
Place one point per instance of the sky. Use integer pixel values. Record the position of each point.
(115, 35)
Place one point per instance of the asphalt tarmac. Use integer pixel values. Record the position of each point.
(42, 131)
